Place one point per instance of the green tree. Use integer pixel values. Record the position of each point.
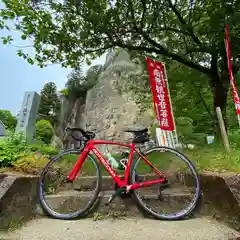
(78, 84)
(191, 96)
(189, 91)
(8, 119)
(49, 103)
(189, 32)
(44, 131)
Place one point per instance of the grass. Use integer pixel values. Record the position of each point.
(13, 225)
(215, 159)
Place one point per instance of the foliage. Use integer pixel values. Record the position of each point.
(190, 96)
(30, 163)
(234, 138)
(188, 36)
(77, 84)
(190, 33)
(44, 131)
(45, 150)
(185, 128)
(64, 91)
(15, 146)
(49, 106)
(8, 119)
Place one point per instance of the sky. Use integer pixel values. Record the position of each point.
(17, 76)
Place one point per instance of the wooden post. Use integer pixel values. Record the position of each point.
(223, 129)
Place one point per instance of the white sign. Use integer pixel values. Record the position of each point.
(166, 138)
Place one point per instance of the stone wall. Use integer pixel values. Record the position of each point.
(17, 198)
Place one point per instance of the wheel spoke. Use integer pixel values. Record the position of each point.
(62, 199)
(179, 197)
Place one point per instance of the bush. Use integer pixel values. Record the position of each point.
(44, 131)
(44, 150)
(31, 164)
(198, 139)
(184, 128)
(14, 146)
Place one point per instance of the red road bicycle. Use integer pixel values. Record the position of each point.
(130, 183)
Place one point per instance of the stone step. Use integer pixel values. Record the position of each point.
(174, 199)
(86, 183)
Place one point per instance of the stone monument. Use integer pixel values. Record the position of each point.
(28, 114)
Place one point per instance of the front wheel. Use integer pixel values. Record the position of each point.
(172, 201)
(62, 200)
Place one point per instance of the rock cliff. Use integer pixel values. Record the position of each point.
(107, 110)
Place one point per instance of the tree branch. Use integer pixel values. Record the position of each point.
(160, 49)
(185, 25)
(143, 12)
(199, 50)
(166, 53)
(204, 103)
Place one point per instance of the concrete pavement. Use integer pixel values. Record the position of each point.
(126, 229)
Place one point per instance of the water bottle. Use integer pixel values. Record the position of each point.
(112, 160)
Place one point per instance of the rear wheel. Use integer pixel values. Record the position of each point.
(62, 200)
(167, 202)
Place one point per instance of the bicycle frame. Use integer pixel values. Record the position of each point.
(121, 183)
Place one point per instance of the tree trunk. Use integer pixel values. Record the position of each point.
(220, 86)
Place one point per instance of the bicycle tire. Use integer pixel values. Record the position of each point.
(182, 214)
(67, 216)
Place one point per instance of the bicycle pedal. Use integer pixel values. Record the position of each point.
(117, 193)
(68, 181)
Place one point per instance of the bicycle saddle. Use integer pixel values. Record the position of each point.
(137, 131)
(87, 134)
(140, 136)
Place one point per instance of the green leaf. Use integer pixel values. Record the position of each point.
(30, 61)
(23, 37)
(20, 53)
(88, 62)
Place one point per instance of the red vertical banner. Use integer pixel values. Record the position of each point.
(230, 73)
(160, 92)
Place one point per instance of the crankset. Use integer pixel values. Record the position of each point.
(117, 193)
(128, 194)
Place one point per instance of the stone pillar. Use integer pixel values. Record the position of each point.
(28, 114)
